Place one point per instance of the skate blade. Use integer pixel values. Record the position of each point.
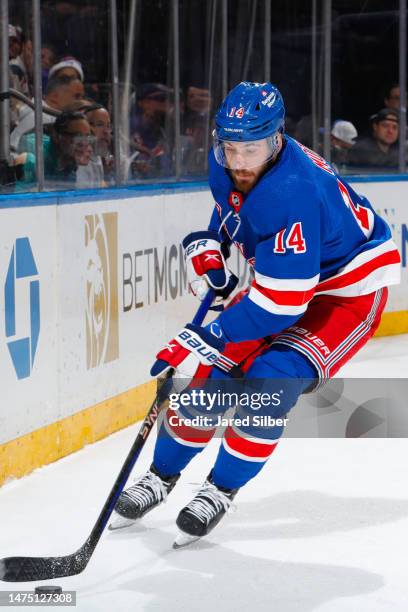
(120, 522)
(184, 539)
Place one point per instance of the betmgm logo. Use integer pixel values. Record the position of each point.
(102, 324)
(22, 307)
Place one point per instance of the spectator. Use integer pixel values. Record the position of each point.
(48, 59)
(98, 172)
(61, 93)
(15, 104)
(198, 101)
(68, 147)
(392, 100)
(194, 145)
(48, 56)
(195, 129)
(149, 138)
(99, 120)
(379, 150)
(342, 137)
(16, 60)
(72, 144)
(68, 67)
(15, 46)
(392, 97)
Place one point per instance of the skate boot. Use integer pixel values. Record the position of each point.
(203, 513)
(148, 492)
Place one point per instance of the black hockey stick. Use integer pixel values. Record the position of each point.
(26, 569)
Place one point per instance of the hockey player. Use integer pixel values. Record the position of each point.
(322, 261)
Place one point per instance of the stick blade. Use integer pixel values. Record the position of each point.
(28, 569)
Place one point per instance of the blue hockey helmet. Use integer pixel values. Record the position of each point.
(250, 112)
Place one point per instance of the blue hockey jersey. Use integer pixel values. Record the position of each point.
(305, 232)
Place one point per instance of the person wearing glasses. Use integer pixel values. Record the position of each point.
(69, 147)
(98, 172)
(72, 143)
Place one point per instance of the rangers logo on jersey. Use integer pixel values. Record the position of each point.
(236, 200)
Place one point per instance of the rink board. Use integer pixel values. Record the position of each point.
(92, 285)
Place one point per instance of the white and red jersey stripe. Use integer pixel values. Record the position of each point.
(367, 272)
(282, 296)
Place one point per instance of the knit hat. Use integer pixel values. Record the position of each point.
(67, 62)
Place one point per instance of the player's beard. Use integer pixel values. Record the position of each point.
(245, 180)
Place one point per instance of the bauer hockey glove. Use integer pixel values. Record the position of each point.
(206, 265)
(192, 348)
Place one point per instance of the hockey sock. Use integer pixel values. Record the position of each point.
(240, 458)
(177, 443)
(280, 375)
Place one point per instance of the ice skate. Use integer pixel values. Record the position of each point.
(148, 492)
(203, 513)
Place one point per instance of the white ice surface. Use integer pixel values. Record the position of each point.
(324, 527)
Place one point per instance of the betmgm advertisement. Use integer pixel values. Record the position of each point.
(90, 292)
(101, 315)
(152, 275)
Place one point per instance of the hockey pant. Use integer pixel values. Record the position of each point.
(302, 356)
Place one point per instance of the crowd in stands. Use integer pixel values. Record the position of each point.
(77, 131)
(376, 149)
(77, 135)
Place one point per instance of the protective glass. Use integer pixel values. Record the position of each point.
(100, 125)
(244, 155)
(84, 140)
(80, 140)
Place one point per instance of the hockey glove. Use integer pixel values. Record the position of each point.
(206, 265)
(191, 348)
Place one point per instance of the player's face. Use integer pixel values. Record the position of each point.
(246, 162)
